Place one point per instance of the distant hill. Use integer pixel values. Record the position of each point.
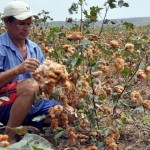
(139, 21)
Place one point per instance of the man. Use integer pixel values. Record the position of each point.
(19, 58)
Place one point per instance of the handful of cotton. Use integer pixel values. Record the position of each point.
(49, 74)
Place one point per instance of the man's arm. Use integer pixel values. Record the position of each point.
(7, 76)
(29, 65)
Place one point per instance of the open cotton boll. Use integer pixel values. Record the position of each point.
(49, 74)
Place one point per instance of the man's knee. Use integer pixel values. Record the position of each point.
(28, 86)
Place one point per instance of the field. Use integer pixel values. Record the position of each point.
(102, 77)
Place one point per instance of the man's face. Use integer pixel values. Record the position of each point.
(19, 29)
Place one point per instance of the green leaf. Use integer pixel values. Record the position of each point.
(81, 107)
(75, 62)
(100, 131)
(113, 22)
(138, 109)
(107, 52)
(130, 55)
(125, 4)
(20, 130)
(55, 54)
(73, 8)
(123, 104)
(85, 43)
(30, 141)
(93, 15)
(119, 121)
(120, 3)
(93, 140)
(112, 5)
(92, 62)
(39, 118)
(80, 47)
(35, 148)
(124, 120)
(100, 145)
(75, 55)
(108, 130)
(115, 96)
(102, 97)
(58, 135)
(127, 71)
(128, 25)
(55, 96)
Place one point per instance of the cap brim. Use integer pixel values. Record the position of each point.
(25, 16)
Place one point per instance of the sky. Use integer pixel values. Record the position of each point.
(58, 9)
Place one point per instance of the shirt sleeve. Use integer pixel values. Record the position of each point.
(40, 55)
(2, 58)
(35, 50)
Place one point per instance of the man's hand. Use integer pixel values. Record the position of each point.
(29, 65)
